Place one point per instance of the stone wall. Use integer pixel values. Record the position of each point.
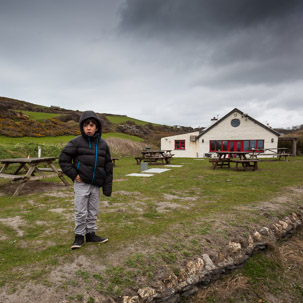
(202, 271)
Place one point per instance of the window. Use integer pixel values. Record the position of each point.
(235, 122)
(218, 145)
(260, 145)
(179, 144)
(246, 145)
(212, 146)
(224, 146)
(236, 145)
(253, 144)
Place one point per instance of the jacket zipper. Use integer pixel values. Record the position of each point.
(96, 158)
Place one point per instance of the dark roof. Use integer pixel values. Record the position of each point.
(241, 113)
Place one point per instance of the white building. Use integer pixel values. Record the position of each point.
(236, 131)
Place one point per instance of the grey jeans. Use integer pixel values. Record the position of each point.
(86, 207)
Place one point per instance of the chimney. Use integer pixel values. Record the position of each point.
(213, 120)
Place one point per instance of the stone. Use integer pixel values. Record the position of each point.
(288, 221)
(183, 275)
(278, 228)
(234, 247)
(264, 231)
(294, 216)
(171, 299)
(190, 292)
(283, 224)
(127, 299)
(209, 265)
(257, 236)
(170, 281)
(195, 267)
(158, 286)
(147, 293)
(170, 285)
(226, 263)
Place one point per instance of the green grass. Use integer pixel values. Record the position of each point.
(51, 146)
(123, 119)
(139, 212)
(39, 116)
(59, 139)
(36, 140)
(262, 267)
(122, 136)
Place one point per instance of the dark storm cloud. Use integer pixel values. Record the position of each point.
(198, 57)
(241, 41)
(204, 17)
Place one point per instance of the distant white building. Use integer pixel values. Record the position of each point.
(236, 131)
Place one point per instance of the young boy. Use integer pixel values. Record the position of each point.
(86, 160)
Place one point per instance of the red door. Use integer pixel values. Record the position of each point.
(235, 145)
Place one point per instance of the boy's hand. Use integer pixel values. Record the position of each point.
(78, 179)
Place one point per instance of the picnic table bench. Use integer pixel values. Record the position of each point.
(246, 163)
(225, 162)
(114, 161)
(226, 157)
(275, 152)
(29, 170)
(155, 156)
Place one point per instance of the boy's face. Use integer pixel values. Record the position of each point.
(89, 128)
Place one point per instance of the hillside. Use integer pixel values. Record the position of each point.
(20, 118)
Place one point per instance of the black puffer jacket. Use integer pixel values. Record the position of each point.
(88, 157)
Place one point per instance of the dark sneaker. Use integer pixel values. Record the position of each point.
(79, 241)
(92, 237)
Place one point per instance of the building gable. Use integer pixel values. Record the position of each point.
(235, 112)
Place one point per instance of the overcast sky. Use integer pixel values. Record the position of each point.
(163, 61)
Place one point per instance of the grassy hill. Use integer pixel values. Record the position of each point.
(24, 119)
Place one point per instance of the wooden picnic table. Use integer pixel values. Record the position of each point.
(28, 169)
(114, 161)
(275, 152)
(238, 157)
(155, 156)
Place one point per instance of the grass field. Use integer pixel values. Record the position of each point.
(51, 146)
(122, 119)
(152, 223)
(59, 139)
(39, 116)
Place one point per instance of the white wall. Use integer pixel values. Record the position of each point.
(191, 148)
(247, 130)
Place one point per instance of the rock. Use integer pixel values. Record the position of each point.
(257, 236)
(190, 292)
(147, 293)
(170, 284)
(195, 267)
(171, 299)
(209, 265)
(283, 224)
(234, 247)
(170, 281)
(264, 231)
(278, 228)
(127, 299)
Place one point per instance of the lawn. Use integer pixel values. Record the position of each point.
(153, 224)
